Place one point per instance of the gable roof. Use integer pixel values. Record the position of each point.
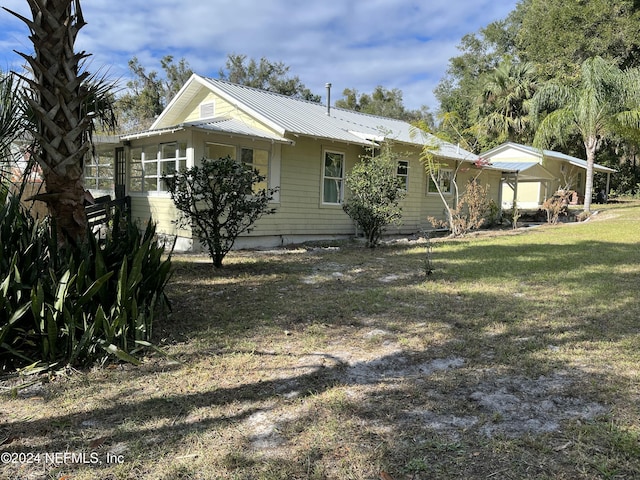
(540, 154)
(289, 117)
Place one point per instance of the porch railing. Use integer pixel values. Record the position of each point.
(103, 210)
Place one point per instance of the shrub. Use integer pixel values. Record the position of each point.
(473, 210)
(218, 201)
(75, 305)
(556, 205)
(375, 193)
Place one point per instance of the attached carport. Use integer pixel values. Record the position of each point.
(514, 173)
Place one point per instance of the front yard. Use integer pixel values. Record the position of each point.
(516, 358)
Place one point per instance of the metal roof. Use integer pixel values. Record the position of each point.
(236, 127)
(525, 170)
(513, 166)
(292, 117)
(578, 162)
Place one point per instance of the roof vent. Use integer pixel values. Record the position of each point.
(207, 110)
(328, 85)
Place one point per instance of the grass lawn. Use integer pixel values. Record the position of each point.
(518, 357)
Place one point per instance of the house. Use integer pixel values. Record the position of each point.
(533, 175)
(303, 148)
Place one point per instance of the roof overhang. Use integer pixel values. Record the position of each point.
(525, 171)
(225, 126)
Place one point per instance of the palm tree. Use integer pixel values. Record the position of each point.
(12, 124)
(502, 107)
(602, 102)
(63, 100)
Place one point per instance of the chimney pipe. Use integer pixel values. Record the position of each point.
(328, 85)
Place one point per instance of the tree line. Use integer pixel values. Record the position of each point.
(147, 93)
(560, 75)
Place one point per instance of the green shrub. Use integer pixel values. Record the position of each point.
(219, 200)
(375, 194)
(75, 305)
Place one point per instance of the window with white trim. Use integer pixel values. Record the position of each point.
(445, 181)
(403, 174)
(333, 177)
(259, 160)
(215, 151)
(254, 157)
(148, 165)
(99, 172)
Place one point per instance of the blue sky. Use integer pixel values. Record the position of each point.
(359, 44)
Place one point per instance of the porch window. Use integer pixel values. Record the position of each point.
(445, 181)
(99, 172)
(259, 160)
(333, 178)
(148, 165)
(403, 174)
(136, 172)
(214, 151)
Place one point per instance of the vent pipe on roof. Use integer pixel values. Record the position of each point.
(328, 85)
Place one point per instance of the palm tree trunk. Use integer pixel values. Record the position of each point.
(591, 145)
(58, 101)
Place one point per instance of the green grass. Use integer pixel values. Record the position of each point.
(517, 358)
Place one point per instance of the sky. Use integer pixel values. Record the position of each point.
(356, 44)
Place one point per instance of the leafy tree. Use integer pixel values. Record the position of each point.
(64, 99)
(375, 193)
(148, 93)
(218, 201)
(265, 75)
(600, 103)
(481, 53)
(382, 102)
(502, 107)
(558, 36)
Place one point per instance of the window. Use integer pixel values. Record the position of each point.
(149, 164)
(99, 172)
(136, 173)
(445, 181)
(253, 157)
(259, 160)
(403, 174)
(214, 151)
(333, 177)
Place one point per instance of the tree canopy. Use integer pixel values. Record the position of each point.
(265, 75)
(485, 95)
(382, 102)
(147, 93)
(603, 101)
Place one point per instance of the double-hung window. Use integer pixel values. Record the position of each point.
(333, 178)
(403, 174)
(259, 160)
(173, 158)
(445, 181)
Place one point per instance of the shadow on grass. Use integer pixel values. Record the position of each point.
(469, 395)
(502, 393)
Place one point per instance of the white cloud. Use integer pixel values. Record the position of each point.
(360, 44)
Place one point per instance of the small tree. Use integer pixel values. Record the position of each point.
(376, 192)
(472, 211)
(218, 200)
